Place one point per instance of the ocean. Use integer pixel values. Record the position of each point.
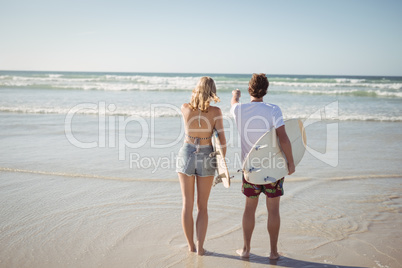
(361, 98)
(87, 170)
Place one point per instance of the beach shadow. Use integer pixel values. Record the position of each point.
(281, 262)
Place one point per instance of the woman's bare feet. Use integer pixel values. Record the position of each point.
(192, 248)
(274, 256)
(243, 253)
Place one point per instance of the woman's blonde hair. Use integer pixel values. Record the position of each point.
(203, 93)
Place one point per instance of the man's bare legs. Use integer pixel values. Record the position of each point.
(248, 226)
(187, 189)
(204, 185)
(249, 223)
(274, 222)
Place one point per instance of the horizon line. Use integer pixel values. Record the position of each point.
(216, 73)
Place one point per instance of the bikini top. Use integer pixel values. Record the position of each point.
(197, 141)
(197, 138)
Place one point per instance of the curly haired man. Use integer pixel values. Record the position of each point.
(253, 119)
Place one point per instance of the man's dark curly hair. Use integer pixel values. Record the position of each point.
(258, 85)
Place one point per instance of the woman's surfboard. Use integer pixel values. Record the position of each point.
(221, 167)
(266, 163)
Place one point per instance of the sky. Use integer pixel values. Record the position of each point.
(353, 37)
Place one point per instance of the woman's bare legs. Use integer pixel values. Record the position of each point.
(204, 185)
(187, 189)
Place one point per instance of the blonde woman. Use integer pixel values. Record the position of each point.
(194, 164)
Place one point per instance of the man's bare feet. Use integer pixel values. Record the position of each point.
(274, 256)
(243, 253)
(201, 252)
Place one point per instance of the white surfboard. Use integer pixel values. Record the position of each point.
(221, 167)
(266, 163)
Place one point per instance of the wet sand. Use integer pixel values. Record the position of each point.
(63, 206)
(50, 221)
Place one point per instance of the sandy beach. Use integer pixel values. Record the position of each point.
(102, 223)
(93, 113)
(84, 208)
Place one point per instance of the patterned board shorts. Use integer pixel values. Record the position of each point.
(271, 190)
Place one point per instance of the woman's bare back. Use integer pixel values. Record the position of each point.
(199, 124)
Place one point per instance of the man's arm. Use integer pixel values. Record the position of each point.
(235, 97)
(286, 147)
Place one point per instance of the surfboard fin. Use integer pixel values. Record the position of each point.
(270, 179)
(253, 169)
(217, 180)
(213, 154)
(258, 147)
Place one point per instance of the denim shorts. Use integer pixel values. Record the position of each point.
(191, 163)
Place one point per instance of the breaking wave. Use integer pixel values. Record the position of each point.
(359, 86)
